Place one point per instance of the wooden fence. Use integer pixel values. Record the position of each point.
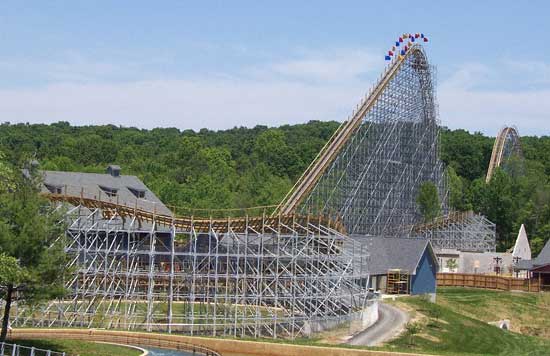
(487, 282)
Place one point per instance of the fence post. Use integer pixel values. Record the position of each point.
(32, 351)
(14, 350)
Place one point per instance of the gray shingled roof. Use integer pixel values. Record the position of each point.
(394, 253)
(544, 255)
(542, 259)
(91, 184)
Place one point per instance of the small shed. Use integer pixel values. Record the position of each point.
(401, 265)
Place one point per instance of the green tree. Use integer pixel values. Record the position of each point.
(271, 149)
(451, 264)
(458, 198)
(428, 201)
(32, 254)
(497, 202)
(6, 175)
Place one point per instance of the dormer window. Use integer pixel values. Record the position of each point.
(54, 189)
(113, 170)
(138, 193)
(111, 192)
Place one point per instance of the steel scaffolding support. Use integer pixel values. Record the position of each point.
(282, 278)
(389, 147)
(463, 231)
(285, 273)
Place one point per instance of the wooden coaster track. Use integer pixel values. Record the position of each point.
(339, 139)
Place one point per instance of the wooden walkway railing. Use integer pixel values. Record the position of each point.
(487, 282)
(238, 224)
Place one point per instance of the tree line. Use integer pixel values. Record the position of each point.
(244, 167)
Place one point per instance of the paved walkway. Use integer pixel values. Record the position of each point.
(391, 322)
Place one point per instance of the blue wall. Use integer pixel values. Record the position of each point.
(424, 281)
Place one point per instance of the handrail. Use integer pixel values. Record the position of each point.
(126, 338)
(16, 350)
(110, 208)
(329, 152)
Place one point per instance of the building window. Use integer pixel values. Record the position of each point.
(54, 189)
(138, 193)
(111, 192)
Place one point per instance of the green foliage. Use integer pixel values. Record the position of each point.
(460, 332)
(6, 174)
(244, 167)
(10, 270)
(459, 198)
(468, 154)
(32, 259)
(412, 328)
(428, 201)
(451, 264)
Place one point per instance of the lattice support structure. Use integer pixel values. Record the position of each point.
(507, 146)
(463, 231)
(368, 175)
(280, 279)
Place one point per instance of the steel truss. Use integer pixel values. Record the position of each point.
(372, 184)
(282, 279)
(463, 231)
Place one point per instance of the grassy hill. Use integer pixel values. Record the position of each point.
(529, 313)
(457, 323)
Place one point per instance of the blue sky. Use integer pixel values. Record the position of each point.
(224, 64)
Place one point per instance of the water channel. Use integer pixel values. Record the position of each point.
(164, 352)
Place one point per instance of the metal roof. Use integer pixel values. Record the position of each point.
(98, 185)
(387, 253)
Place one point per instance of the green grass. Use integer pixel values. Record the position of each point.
(77, 347)
(529, 313)
(446, 332)
(203, 313)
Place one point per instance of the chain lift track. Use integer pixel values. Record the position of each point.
(368, 174)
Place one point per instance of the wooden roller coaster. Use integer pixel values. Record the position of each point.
(284, 213)
(506, 143)
(338, 140)
(238, 224)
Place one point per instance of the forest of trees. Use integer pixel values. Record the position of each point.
(245, 167)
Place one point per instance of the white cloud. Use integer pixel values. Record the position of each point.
(467, 76)
(488, 111)
(535, 72)
(339, 66)
(464, 105)
(178, 103)
(321, 87)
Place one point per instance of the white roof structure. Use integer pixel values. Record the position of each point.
(522, 248)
